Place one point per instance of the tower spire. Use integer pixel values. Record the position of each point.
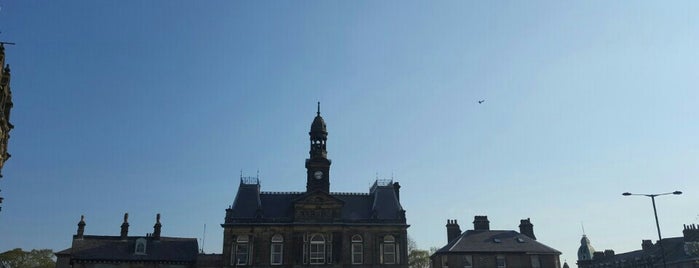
(318, 164)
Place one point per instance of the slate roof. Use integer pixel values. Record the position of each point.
(495, 241)
(113, 248)
(674, 253)
(380, 204)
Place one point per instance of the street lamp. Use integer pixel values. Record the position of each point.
(655, 212)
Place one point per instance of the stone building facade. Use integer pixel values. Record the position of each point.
(485, 248)
(5, 108)
(316, 227)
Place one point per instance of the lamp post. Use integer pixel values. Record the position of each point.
(657, 224)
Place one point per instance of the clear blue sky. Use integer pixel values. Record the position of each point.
(155, 106)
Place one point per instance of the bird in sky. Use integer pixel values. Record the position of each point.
(481, 101)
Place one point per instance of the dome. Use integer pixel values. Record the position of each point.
(318, 124)
(585, 250)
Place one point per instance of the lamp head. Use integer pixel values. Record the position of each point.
(677, 192)
(626, 194)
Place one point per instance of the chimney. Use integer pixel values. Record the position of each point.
(690, 233)
(453, 230)
(481, 223)
(81, 227)
(608, 253)
(396, 188)
(646, 244)
(156, 227)
(125, 226)
(598, 255)
(527, 228)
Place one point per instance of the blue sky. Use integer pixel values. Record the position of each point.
(155, 107)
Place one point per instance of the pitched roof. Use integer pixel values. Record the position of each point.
(496, 241)
(380, 204)
(113, 248)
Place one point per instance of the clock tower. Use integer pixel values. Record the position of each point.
(318, 165)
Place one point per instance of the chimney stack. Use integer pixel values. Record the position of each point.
(453, 230)
(125, 227)
(156, 227)
(646, 244)
(481, 223)
(690, 233)
(81, 227)
(527, 228)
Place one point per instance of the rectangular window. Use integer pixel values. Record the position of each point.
(357, 253)
(276, 256)
(500, 262)
(241, 254)
(389, 253)
(536, 261)
(445, 263)
(317, 253)
(467, 260)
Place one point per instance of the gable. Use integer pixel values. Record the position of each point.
(317, 206)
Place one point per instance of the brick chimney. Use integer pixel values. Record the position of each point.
(481, 223)
(81, 227)
(125, 227)
(527, 228)
(646, 244)
(156, 227)
(690, 233)
(453, 230)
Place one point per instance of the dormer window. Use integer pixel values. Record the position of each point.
(140, 246)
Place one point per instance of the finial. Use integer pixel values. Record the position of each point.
(126, 217)
(157, 218)
(318, 113)
(82, 218)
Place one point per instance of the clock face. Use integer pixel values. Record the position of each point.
(318, 175)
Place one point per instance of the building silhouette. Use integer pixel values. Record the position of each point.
(486, 248)
(149, 251)
(680, 252)
(316, 227)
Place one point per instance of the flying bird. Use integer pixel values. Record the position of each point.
(481, 101)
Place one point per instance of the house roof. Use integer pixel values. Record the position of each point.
(113, 248)
(380, 204)
(495, 241)
(674, 252)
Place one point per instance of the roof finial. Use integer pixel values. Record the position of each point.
(318, 113)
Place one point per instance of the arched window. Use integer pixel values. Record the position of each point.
(317, 251)
(140, 246)
(241, 254)
(277, 250)
(388, 250)
(357, 249)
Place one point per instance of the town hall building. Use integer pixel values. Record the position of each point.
(316, 227)
(312, 228)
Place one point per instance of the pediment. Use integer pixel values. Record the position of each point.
(318, 198)
(317, 207)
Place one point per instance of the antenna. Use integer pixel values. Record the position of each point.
(583, 227)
